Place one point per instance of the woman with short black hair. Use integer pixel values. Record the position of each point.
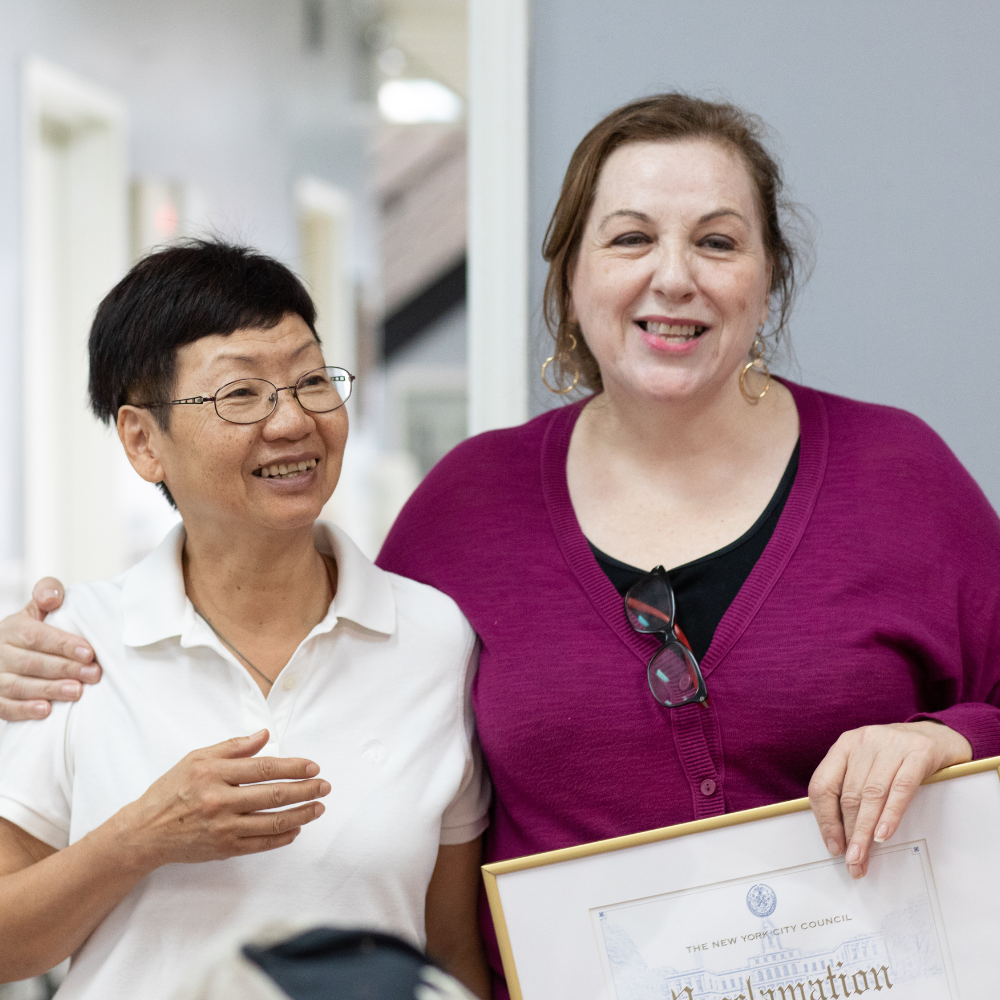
(136, 826)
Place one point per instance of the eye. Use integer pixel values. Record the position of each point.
(717, 242)
(240, 391)
(630, 240)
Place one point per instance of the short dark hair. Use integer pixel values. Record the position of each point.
(673, 117)
(174, 297)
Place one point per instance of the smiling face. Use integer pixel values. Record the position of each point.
(214, 469)
(672, 279)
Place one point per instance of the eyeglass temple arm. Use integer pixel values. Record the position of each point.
(193, 399)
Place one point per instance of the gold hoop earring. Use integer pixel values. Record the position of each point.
(758, 365)
(576, 373)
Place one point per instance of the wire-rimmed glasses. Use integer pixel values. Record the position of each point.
(673, 673)
(249, 400)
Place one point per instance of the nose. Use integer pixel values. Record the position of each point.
(288, 419)
(674, 277)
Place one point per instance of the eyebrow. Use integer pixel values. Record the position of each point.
(631, 213)
(723, 211)
(248, 360)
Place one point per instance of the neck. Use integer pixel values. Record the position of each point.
(275, 581)
(655, 431)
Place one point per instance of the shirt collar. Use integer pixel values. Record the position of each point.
(155, 606)
(364, 593)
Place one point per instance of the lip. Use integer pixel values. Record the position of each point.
(656, 341)
(306, 476)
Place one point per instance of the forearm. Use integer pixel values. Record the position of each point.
(48, 909)
(453, 937)
(466, 961)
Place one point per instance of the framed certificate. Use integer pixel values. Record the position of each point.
(750, 906)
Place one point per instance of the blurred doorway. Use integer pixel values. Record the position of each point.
(75, 234)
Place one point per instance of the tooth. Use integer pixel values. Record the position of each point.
(282, 469)
(303, 466)
(274, 470)
(265, 472)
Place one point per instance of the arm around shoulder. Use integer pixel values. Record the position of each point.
(40, 664)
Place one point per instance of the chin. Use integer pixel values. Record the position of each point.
(291, 513)
(665, 385)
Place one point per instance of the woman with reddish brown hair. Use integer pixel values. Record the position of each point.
(699, 588)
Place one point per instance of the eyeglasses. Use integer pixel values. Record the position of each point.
(673, 673)
(249, 400)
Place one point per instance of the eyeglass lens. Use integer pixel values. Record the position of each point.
(649, 604)
(672, 676)
(253, 399)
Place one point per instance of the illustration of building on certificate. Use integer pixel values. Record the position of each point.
(804, 933)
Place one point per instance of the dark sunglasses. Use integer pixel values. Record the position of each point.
(673, 673)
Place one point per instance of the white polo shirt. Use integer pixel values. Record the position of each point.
(377, 695)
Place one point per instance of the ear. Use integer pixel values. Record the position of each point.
(142, 439)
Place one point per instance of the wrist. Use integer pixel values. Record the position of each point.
(130, 846)
(952, 747)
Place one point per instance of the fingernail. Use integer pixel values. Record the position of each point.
(39, 709)
(319, 809)
(69, 689)
(853, 854)
(833, 847)
(89, 673)
(324, 788)
(312, 770)
(882, 833)
(257, 735)
(47, 595)
(82, 653)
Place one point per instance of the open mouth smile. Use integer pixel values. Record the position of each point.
(290, 470)
(675, 333)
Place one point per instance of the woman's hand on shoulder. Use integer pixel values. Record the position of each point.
(40, 664)
(209, 806)
(865, 783)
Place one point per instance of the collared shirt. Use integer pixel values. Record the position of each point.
(376, 694)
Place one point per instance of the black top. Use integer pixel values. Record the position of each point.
(704, 588)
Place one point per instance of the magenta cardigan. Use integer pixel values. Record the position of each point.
(876, 600)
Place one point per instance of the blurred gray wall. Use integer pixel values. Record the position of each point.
(888, 123)
(236, 97)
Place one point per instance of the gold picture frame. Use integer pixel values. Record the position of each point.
(497, 870)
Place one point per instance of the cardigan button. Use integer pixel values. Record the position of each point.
(708, 787)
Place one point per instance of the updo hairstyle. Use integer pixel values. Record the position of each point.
(662, 118)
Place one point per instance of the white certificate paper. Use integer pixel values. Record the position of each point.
(804, 932)
(750, 906)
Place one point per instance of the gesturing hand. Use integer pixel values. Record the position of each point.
(208, 806)
(862, 787)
